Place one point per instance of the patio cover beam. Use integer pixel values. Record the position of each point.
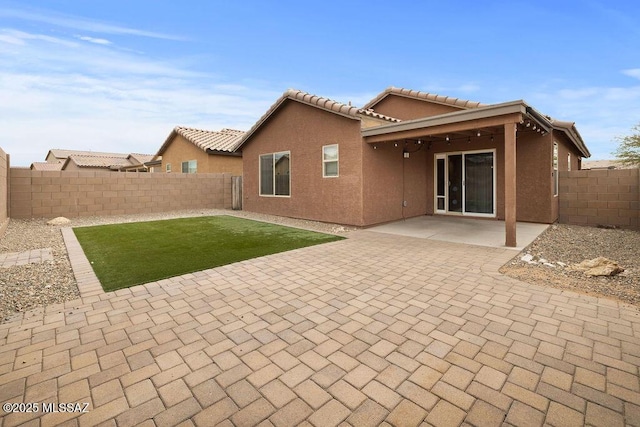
(437, 128)
(510, 183)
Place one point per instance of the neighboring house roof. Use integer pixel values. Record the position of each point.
(106, 162)
(223, 141)
(140, 159)
(606, 164)
(46, 166)
(64, 154)
(326, 104)
(424, 96)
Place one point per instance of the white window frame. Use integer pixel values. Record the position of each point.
(569, 162)
(274, 174)
(325, 162)
(189, 168)
(445, 155)
(554, 166)
(167, 168)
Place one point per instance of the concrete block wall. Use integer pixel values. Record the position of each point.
(4, 191)
(600, 197)
(37, 194)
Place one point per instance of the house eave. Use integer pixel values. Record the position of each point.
(508, 108)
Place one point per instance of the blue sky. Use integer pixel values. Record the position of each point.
(119, 75)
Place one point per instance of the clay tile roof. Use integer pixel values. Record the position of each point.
(460, 103)
(327, 104)
(84, 161)
(372, 113)
(46, 166)
(138, 159)
(207, 140)
(63, 154)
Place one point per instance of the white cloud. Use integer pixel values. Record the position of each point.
(83, 24)
(600, 113)
(635, 72)
(59, 93)
(94, 40)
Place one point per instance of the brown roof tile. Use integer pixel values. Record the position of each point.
(63, 154)
(46, 166)
(107, 162)
(225, 140)
(447, 100)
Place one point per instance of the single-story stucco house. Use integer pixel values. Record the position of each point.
(406, 153)
(188, 150)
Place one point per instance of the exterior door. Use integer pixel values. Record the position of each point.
(465, 183)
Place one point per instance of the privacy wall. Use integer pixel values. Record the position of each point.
(600, 197)
(35, 194)
(4, 190)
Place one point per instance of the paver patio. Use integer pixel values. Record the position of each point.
(372, 329)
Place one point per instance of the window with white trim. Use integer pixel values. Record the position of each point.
(190, 166)
(330, 161)
(555, 168)
(275, 174)
(569, 162)
(168, 167)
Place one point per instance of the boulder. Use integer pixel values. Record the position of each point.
(59, 221)
(600, 266)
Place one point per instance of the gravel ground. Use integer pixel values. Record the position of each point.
(571, 244)
(28, 286)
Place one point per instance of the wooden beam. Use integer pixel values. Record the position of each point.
(510, 183)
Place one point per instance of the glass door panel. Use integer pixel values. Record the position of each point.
(455, 183)
(478, 182)
(441, 185)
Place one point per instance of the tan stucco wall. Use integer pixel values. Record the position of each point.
(304, 130)
(405, 108)
(181, 150)
(46, 194)
(72, 166)
(390, 179)
(534, 196)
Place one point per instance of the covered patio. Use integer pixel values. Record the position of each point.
(490, 129)
(472, 231)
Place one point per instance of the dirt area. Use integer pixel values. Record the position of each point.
(563, 246)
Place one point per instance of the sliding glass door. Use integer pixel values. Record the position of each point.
(465, 183)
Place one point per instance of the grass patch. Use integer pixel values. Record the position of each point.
(124, 255)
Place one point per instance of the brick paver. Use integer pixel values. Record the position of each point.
(370, 330)
(11, 259)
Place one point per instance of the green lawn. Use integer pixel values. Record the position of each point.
(124, 255)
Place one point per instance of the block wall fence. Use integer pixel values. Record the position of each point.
(4, 190)
(600, 197)
(38, 194)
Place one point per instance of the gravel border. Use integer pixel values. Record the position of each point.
(29, 286)
(560, 246)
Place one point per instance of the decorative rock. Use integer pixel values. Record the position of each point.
(548, 264)
(59, 221)
(598, 267)
(527, 258)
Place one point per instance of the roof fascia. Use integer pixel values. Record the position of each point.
(450, 118)
(225, 153)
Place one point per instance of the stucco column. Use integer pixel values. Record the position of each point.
(510, 183)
